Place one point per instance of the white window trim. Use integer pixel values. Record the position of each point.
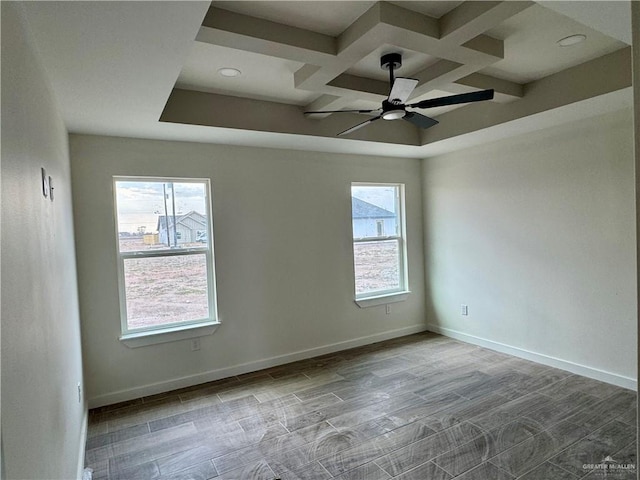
(382, 297)
(168, 334)
(171, 331)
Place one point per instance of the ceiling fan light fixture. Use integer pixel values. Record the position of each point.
(394, 114)
(229, 72)
(571, 40)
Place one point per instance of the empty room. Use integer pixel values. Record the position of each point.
(259, 240)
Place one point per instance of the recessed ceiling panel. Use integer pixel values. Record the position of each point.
(327, 17)
(412, 62)
(262, 77)
(431, 9)
(531, 51)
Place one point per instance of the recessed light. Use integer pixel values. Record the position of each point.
(229, 72)
(571, 40)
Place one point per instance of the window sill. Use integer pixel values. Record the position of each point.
(382, 299)
(171, 334)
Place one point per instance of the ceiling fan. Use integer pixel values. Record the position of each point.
(394, 107)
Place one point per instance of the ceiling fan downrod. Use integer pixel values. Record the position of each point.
(392, 108)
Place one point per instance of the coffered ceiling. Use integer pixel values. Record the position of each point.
(156, 66)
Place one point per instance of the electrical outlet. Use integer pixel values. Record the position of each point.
(79, 393)
(388, 309)
(195, 344)
(464, 310)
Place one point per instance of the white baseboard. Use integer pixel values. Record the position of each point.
(608, 377)
(83, 442)
(187, 381)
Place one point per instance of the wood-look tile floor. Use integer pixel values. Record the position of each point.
(422, 407)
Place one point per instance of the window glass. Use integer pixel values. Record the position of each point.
(166, 258)
(378, 238)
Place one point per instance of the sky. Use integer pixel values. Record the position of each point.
(140, 203)
(380, 196)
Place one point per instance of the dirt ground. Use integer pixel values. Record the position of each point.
(174, 289)
(166, 289)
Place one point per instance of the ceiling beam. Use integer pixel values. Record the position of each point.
(457, 39)
(243, 32)
(208, 109)
(597, 77)
(471, 19)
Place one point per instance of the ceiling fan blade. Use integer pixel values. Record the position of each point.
(345, 111)
(420, 120)
(359, 126)
(401, 89)
(454, 99)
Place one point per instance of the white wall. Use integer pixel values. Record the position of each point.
(42, 421)
(536, 234)
(282, 221)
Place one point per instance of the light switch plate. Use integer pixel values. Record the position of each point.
(45, 183)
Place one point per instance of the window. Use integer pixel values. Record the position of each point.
(165, 255)
(377, 215)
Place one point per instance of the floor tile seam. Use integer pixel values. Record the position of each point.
(591, 432)
(488, 458)
(111, 433)
(370, 405)
(438, 392)
(550, 460)
(494, 392)
(442, 468)
(520, 398)
(406, 472)
(263, 455)
(600, 401)
(431, 459)
(375, 418)
(110, 421)
(111, 445)
(188, 467)
(621, 417)
(452, 409)
(202, 410)
(172, 441)
(320, 460)
(612, 453)
(244, 465)
(515, 418)
(323, 467)
(153, 458)
(563, 419)
(627, 445)
(501, 469)
(554, 453)
(377, 465)
(119, 473)
(615, 419)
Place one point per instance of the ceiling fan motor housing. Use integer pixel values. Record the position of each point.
(391, 60)
(391, 111)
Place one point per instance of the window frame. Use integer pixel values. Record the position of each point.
(180, 329)
(380, 297)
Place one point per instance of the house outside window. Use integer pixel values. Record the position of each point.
(165, 255)
(379, 243)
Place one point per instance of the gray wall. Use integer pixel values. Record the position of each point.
(282, 222)
(42, 419)
(536, 234)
